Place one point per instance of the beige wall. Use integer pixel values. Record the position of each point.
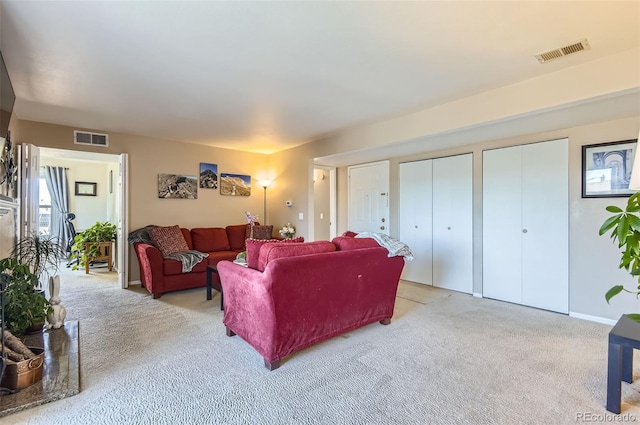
(321, 205)
(147, 158)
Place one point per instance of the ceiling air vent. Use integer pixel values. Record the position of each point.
(93, 139)
(563, 51)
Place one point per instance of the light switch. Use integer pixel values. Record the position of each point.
(300, 216)
(321, 216)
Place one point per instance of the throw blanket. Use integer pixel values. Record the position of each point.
(188, 258)
(395, 247)
(141, 235)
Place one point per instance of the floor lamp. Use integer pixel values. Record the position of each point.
(265, 184)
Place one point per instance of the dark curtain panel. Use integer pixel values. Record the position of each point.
(56, 178)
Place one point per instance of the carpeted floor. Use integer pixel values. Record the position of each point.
(446, 358)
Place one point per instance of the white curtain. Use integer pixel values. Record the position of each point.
(56, 178)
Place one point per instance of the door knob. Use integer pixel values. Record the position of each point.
(524, 230)
(381, 227)
(382, 220)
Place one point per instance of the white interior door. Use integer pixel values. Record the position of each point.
(29, 189)
(123, 226)
(502, 224)
(415, 208)
(453, 223)
(545, 218)
(369, 198)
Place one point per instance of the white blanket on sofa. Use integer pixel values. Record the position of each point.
(395, 247)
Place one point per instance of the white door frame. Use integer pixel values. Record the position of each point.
(122, 229)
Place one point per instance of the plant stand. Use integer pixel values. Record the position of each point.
(106, 253)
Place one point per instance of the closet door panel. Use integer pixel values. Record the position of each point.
(545, 216)
(415, 219)
(501, 224)
(453, 223)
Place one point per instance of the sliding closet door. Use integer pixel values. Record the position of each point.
(502, 224)
(415, 219)
(545, 216)
(453, 223)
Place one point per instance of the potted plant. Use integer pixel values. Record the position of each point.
(25, 306)
(41, 253)
(99, 232)
(625, 228)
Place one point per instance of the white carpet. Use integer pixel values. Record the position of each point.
(446, 358)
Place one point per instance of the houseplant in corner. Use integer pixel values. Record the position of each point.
(41, 253)
(625, 228)
(25, 306)
(99, 232)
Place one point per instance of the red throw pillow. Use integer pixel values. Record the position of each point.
(349, 234)
(168, 240)
(253, 248)
(261, 232)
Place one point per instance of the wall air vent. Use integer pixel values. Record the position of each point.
(93, 139)
(563, 51)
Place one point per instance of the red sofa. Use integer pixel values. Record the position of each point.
(304, 293)
(159, 275)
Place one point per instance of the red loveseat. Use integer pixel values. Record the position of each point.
(304, 293)
(159, 275)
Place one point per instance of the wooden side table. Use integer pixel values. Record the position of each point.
(214, 283)
(106, 254)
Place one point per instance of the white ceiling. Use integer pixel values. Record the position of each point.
(265, 76)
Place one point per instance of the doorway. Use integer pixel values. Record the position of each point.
(107, 174)
(369, 197)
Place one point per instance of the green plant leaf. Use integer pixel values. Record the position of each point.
(633, 316)
(614, 209)
(622, 230)
(609, 223)
(613, 292)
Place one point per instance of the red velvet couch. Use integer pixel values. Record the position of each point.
(304, 293)
(159, 275)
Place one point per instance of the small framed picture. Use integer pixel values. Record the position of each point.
(606, 169)
(86, 189)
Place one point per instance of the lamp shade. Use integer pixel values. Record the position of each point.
(265, 183)
(634, 182)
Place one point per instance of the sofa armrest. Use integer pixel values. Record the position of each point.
(151, 268)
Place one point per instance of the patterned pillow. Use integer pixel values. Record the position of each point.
(253, 248)
(168, 240)
(260, 232)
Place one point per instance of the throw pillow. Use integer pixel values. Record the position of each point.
(260, 232)
(253, 248)
(168, 240)
(349, 234)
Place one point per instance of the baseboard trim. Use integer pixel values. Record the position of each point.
(135, 282)
(596, 319)
(477, 294)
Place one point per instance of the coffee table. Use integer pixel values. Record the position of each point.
(211, 271)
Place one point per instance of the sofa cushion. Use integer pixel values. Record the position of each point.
(187, 237)
(168, 240)
(215, 257)
(236, 235)
(173, 267)
(262, 232)
(272, 250)
(254, 245)
(208, 239)
(344, 243)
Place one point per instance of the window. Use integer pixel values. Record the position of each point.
(44, 215)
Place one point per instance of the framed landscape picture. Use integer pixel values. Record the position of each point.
(177, 186)
(606, 169)
(208, 176)
(235, 184)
